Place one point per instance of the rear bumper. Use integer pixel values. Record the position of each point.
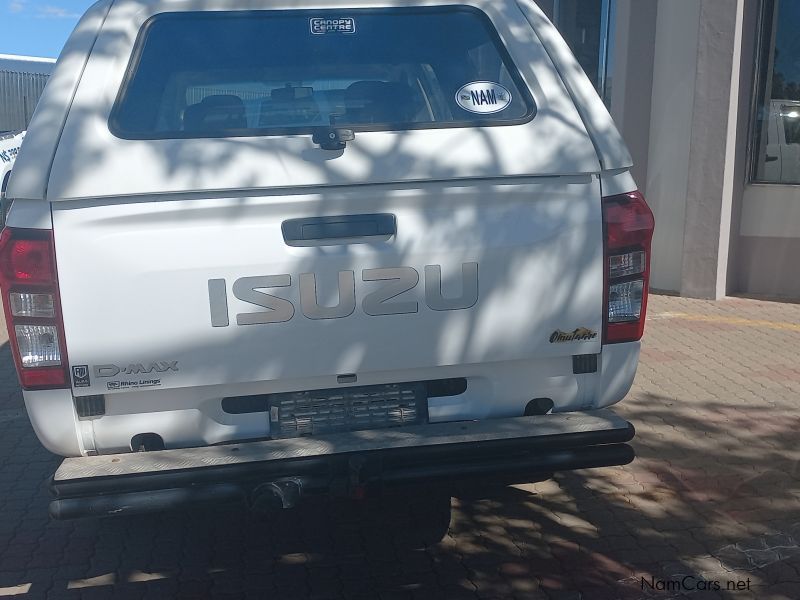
(512, 450)
(193, 416)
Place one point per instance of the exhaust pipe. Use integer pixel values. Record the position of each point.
(284, 493)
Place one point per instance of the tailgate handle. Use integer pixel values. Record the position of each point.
(338, 229)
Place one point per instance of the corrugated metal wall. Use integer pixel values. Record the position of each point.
(19, 93)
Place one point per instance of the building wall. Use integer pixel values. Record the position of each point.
(768, 266)
(632, 78)
(669, 143)
(713, 145)
(688, 127)
(22, 80)
(768, 231)
(768, 263)
(749, 38)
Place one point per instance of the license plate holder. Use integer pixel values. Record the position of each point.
(334, 410)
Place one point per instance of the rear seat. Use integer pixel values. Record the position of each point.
(214, 113)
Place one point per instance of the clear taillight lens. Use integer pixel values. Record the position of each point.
(38, 345)
(27, 304)
(625, 301)
(625, 265)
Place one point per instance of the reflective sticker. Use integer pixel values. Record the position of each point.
(483, 97)
(323, 26)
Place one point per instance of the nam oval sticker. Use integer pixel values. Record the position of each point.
(483, 97)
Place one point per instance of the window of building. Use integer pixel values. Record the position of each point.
(790, 116)
(775, 147)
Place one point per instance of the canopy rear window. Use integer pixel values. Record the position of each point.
(227, 74)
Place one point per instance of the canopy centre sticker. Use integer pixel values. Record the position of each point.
(321, 26)
(483, 97)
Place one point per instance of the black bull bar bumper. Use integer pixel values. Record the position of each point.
(508, 451)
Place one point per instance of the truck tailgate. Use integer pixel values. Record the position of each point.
(175, 291)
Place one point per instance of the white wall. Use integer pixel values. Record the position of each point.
(632, 78)
(771, 211)
(674, 73)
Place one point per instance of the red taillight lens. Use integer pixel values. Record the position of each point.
(33, 308)
(28, 261)
(42, 378)
(628, 228)
(628, 221)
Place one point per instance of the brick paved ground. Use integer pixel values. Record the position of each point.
(714, 494)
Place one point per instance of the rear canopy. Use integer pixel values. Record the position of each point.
(405, 99)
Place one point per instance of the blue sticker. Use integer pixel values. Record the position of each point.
(341, 25)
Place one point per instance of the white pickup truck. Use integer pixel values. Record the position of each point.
(262, 250)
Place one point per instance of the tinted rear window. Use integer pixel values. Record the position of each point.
(276, 73)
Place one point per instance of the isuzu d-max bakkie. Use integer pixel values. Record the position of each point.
(260, 249)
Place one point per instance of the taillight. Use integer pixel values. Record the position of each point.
(33, 308)
(628, 230)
